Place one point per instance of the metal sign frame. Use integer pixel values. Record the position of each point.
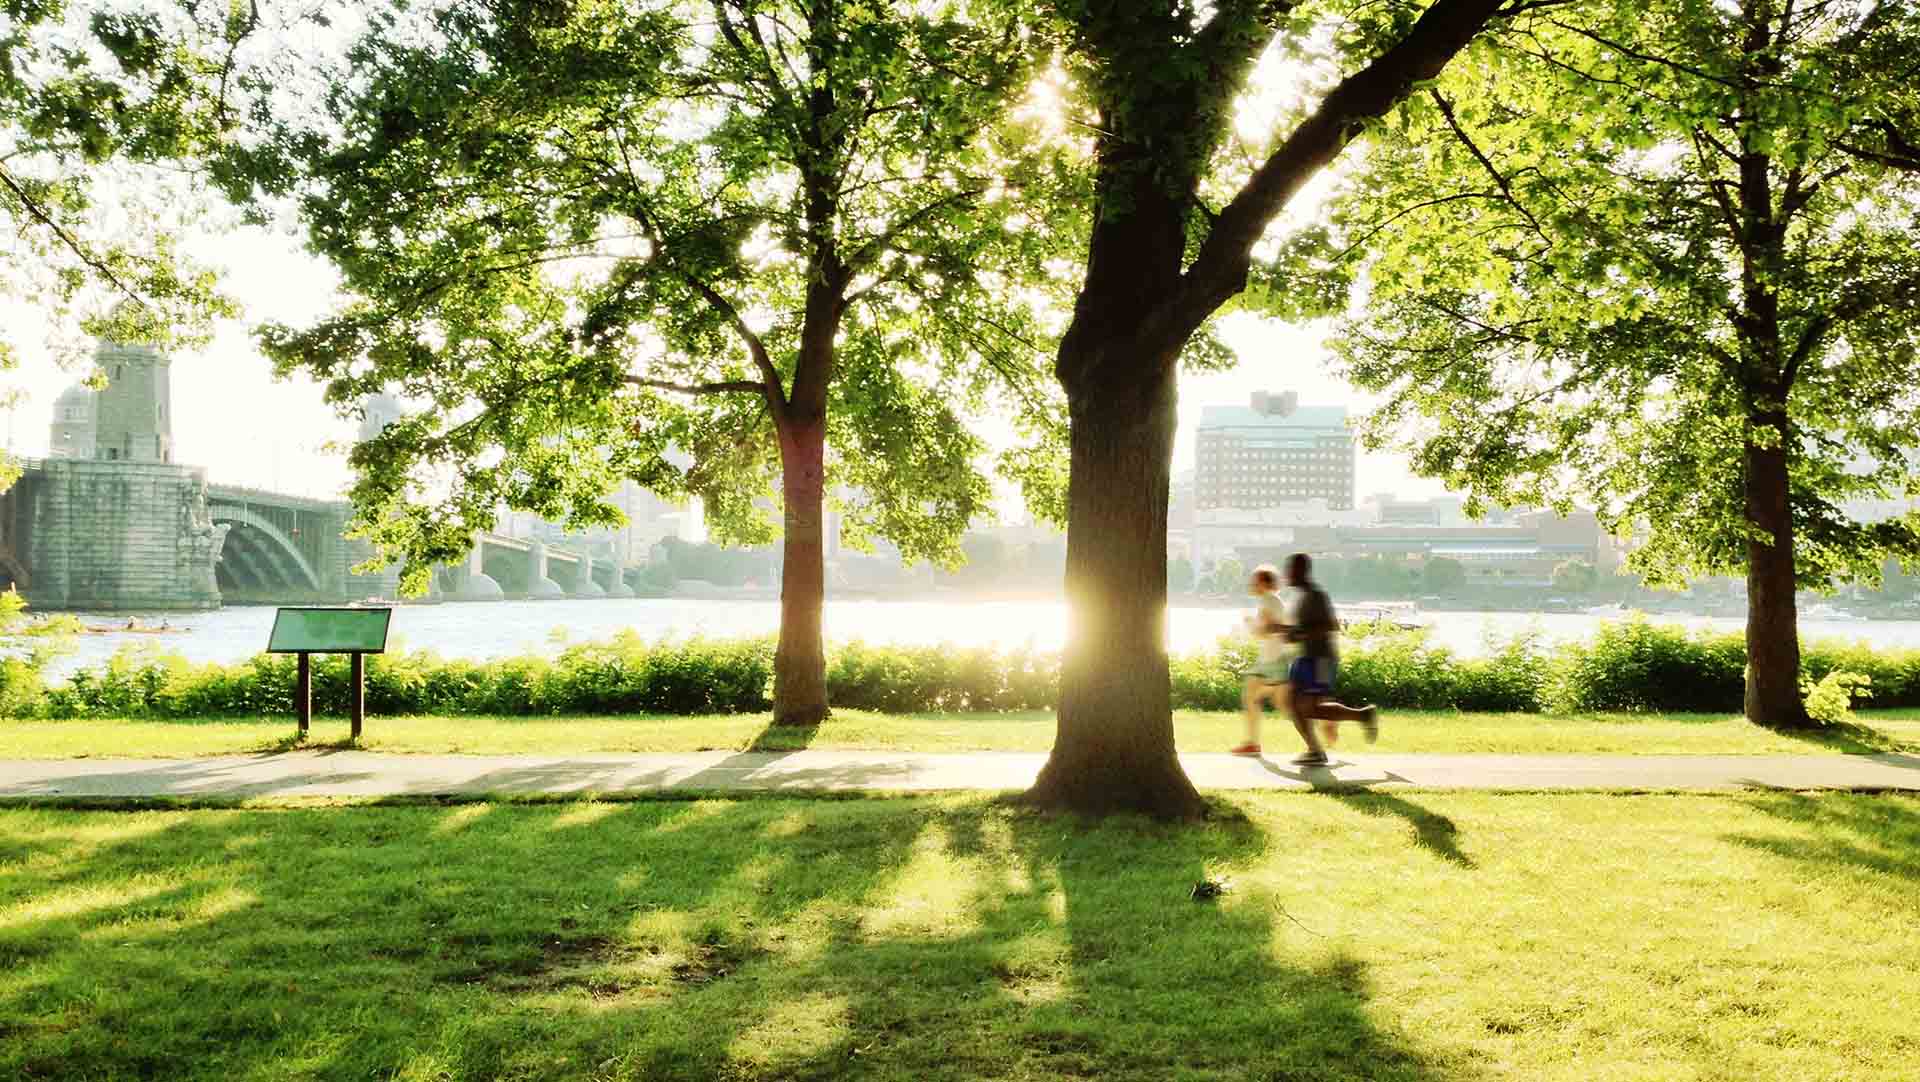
(303, 674)
(384, 613)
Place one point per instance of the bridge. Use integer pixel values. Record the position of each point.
(90, 534)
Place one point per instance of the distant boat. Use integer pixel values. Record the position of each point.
(1830, 614)
(1613, 611)
(95, 629)
(1404, 615)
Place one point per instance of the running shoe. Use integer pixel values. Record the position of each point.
(1246, 749)
(1312, 758)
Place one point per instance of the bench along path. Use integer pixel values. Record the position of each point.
(361, 774)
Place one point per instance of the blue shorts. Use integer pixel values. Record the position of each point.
(1312, 675)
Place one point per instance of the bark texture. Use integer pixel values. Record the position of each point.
(1773, 638)
(1114, 750)
(1140, 304)
(800, 659)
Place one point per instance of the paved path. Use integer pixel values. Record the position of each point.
(355, 773)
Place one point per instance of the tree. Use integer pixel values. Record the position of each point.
(93, 103)
(1176, 220)
(1664, 256)
(1444, 575)
(767, 233)
(1229, 577)
(1575, 577)
(1378, 576)
(987, 559)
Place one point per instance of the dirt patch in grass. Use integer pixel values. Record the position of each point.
(710, 961)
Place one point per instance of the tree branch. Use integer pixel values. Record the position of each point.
(1728, 211)
(1647, 58)
(732, 386)
(1220, 268)
(39, 213)
(1506, 189)
(238, 35)
(1404, 211)
(756, 348)
(1810, 338)
(1900, 152)
(874, 248)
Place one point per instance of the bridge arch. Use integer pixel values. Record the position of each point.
(254, 540)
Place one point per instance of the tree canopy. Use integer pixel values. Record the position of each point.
(1663, 257)
(106, 111)
(1575, 577)
(734, 251)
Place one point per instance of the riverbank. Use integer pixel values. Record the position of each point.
(1634, 666)
(491, 630)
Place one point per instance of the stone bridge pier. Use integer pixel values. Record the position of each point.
(116, 535)
(540, 587)
(471, 581)
(612, 579)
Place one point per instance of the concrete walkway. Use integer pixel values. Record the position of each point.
(364, 774)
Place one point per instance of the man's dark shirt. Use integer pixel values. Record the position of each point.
(1316, 624)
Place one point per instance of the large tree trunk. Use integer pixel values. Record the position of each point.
(800, 661)
(1114, 750)
(1773, 637)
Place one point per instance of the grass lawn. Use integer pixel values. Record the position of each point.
(1402, 731)
(1768, 936)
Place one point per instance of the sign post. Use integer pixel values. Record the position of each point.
(305, 631)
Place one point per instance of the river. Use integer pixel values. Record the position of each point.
(499, 629)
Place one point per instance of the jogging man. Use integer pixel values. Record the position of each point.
(1267, 680)
(1311, 625)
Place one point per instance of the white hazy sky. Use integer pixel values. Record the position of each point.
(245, 427)
(233, 418)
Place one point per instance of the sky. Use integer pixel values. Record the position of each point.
(232, 417)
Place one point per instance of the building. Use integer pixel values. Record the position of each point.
(128, 421)
(1271, 453)
(115, 523)
(132, 421)
(376, 413)
(1522, 553)
(73, 423)
(1445, 511)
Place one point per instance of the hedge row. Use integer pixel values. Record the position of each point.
(1632, 666)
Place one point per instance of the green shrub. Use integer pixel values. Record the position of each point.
(1830, 700)
(1631, 666)
(1636, 666)
(1895, 673)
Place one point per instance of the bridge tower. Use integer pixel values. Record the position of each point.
(124, 528)
(133, 421)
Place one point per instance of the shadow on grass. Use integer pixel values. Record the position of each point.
(296, 742)
(776, 737)
(1845, 832)
(686, 940)
(1851, 738)
(1432, 831)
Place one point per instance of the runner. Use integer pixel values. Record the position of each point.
(1311, 624)
(1267, 680)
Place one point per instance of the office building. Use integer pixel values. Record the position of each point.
(1271, 453)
